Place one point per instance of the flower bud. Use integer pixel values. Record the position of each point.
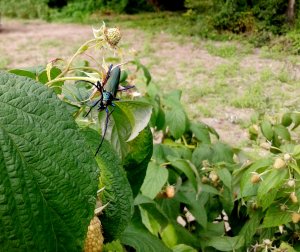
(291, 183)
(279, 163)
(267, 242)
(255, 178)
(112, 36)
(265, 146)
(213, 176)
(287, 157)
(294, 197)
(170, 191)
(204, 180)
(295, 217)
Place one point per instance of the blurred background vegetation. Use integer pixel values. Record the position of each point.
(258, 20)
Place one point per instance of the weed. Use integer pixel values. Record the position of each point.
(226, 70)
(224, 51)
(252, 97)
(266, 75)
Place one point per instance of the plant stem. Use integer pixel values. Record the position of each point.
(49, 84)
(80, 50)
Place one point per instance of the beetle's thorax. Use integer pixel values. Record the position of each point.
(107, 97)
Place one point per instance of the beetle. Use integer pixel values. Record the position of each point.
(108, 90)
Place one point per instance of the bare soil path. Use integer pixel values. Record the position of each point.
(220, 89)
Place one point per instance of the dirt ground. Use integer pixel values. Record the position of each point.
(180, 64)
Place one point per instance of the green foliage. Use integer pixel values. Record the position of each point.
(136, 162)
(27, 9)
(187, 189)
(48, 196)
(117, 193)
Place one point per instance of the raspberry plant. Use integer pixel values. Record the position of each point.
(161, 181)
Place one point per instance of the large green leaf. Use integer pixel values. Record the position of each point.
(39, 73)
(117, 192)
(30, 72)
(201, 132)
(296, 119)
(249, 229)
(247, 188)
(266, 129)
(183, 248)
(136, 162)
(175, 234)
(194, 203)
(272, 180)
(275, 217)
(155, 179)
(127, 120)
(48, 176)
(138, 237)
(226, 243)
(283, 132)
(186, 167)
(176, 120)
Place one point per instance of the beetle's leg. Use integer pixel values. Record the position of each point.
(94, 105)
(125, 88)
(105, 128)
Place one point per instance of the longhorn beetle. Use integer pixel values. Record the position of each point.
(108, 90)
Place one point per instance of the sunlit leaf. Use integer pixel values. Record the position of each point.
(48, 176)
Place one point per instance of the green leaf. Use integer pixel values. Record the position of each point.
(194, 204)
(117, 192)
(266, 129)
(170, 207)
(155, 179)
(268, 199)
(176, 120)
(247, 188)
(175, 234)
(225, 243)
(283, 132)
(225, 177)
(30, 72)
(146, 74)
(145, 70)
(276, 217)
(48, 176)
(156, 213)
(271, 180)
(54, 72)
(128, 119)
(201, 153)
(227, 200)
(286, 119)
(218, 152)
(250, 227)
(123, 76)
(286, 247)
(222, 153)
(296, 119)
(296, 152)
(150, 222)
(183, 248)
(201, 132)
(138, 237)
(136, 161)
(114, 246)
(185, 167)
(209, 189)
